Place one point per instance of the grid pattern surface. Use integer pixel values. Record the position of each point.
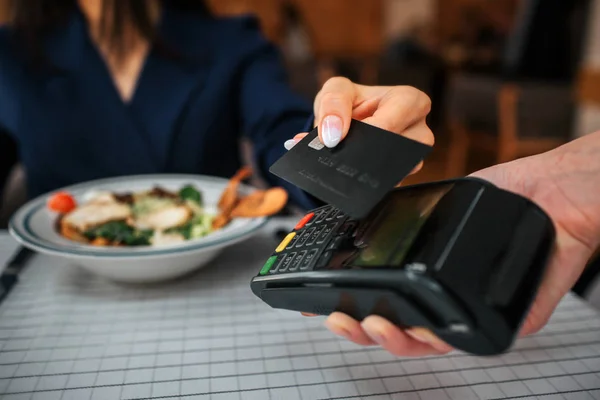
(67, 335)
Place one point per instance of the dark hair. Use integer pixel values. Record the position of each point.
(32, 20)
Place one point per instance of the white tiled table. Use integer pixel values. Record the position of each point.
(65, 334)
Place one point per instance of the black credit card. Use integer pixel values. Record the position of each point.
(356, 174)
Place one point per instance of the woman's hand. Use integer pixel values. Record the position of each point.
(564, 182)
(399, 109)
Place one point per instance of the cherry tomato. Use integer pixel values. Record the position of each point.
(61, 202)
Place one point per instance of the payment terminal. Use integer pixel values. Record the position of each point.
(461, 258)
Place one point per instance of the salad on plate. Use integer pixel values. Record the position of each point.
(157, 216)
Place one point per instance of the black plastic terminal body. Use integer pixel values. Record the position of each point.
(470, 275)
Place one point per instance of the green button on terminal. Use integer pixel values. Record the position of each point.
(268, 265)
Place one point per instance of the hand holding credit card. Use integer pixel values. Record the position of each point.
(356, 174)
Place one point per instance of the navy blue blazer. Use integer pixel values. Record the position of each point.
(186, 116)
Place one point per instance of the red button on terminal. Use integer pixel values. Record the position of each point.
(304, 221)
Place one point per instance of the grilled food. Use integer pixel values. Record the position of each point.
(158, 217)
(155, 217)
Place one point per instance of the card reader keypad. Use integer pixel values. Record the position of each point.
(311, 243)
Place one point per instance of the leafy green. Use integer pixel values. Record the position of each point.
(120, 232)
(184, 230)
(197, 227)
(190, 193)
(202, 226)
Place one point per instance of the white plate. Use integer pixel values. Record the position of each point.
(33, 226)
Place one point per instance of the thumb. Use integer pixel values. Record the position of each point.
(333, 110)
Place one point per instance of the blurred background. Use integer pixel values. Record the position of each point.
(507, 78)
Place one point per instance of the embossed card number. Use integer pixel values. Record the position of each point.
(349, 171)
(356, 174)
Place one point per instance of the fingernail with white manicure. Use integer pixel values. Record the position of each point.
(332, 130)
(289, 144)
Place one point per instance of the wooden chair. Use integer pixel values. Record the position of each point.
(4, 11)
(509, 119)
(343, 30)
(523, 108)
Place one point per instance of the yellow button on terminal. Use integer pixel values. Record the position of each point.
(285, 242)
